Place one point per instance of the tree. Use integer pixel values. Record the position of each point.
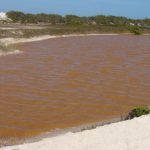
(16, 16)
(73, 20)
(29, 18)
(100, 20)
(55, 19)
(42, 18)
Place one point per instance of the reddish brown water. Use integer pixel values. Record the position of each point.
(65, 82)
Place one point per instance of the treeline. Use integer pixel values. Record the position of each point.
(25, 18)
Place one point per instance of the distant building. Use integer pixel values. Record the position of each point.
(93, 23)
(4, 18)
(132, 24)
(111, 23)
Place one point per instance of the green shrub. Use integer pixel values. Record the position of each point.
(137, 112)
(135, 30)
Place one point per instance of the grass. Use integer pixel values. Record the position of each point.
(136, 30)
(137, 112)
(71, 29)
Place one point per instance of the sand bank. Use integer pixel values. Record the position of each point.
(126, 135)
(8, 41)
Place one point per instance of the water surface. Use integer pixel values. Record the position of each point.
(65, 82)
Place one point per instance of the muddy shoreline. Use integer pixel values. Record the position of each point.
(57, 132)
(114, 135)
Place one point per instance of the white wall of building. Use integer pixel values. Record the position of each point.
(3, 16)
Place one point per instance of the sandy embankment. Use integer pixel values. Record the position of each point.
(10, 41)
(126, 135)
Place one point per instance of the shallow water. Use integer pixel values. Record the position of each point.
(65, 82)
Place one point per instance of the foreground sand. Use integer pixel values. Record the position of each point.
(126, 135)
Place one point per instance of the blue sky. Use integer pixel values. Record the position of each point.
(129, 8)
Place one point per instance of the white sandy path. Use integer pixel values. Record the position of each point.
(127, 135)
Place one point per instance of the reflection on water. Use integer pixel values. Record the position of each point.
(64, 82)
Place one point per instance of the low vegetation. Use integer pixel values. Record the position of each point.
(57, 24)
(136, 30)
(137, 112)
(4, 48)
(59, 30)
(20, 17)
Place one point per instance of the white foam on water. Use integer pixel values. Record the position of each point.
(4, 53)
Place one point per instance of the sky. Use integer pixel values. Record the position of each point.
(129, 8)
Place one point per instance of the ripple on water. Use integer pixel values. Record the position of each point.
(65, 82)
